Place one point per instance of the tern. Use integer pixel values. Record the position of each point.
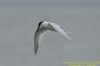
(43, 27)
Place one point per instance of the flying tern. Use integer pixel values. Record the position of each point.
(43, 27)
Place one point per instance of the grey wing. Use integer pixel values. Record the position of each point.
(37, 38)
(59, 29)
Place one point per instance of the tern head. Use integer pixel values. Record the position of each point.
(40, 24)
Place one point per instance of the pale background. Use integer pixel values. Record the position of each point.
(18, 22)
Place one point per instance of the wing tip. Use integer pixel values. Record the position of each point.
(35, 52)
(68, 37)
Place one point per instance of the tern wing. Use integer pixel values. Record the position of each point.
(37, 38)
(59, 29)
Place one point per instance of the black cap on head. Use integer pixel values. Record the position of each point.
(40, 23)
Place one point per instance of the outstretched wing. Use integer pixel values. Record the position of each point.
(59, 29)
(37, 38)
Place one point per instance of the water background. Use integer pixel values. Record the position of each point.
(18, 22)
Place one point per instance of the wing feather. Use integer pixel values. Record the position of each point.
(59, 29)
(37, 38)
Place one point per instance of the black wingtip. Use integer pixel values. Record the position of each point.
(35, 53)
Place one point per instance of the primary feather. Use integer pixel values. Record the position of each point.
(60, 30)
